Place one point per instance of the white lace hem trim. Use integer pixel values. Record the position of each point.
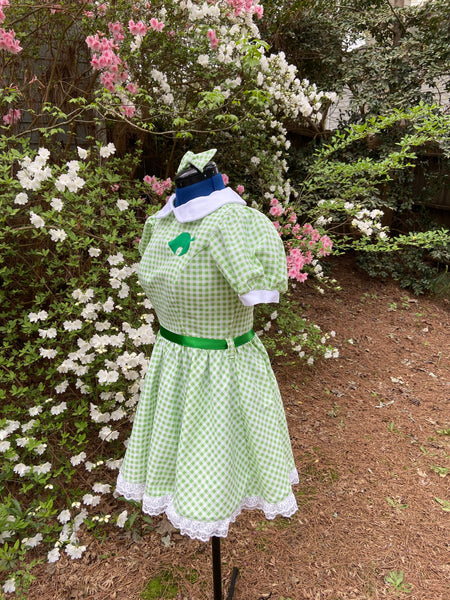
(204, 530)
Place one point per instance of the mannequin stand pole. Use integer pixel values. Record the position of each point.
(217, 572)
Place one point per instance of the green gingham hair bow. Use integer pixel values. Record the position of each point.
(197, 160)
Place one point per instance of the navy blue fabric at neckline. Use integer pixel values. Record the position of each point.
(202, 188)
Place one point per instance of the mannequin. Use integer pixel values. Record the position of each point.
(209, 437)
(189, 184)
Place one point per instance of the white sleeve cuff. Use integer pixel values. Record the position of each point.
(259, 297)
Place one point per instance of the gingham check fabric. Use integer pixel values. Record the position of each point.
(209, 436)
(198, 160)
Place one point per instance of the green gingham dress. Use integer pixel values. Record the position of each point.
(209, 436)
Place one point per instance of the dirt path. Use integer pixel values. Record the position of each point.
(371, 438)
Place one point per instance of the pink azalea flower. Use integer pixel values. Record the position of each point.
(259, 11)
(12, 116)
(240, 189)
(117, 30)
(9, 42)
(156, 25)
(132, 88)
(159, 187)
(212, 37)
(225, 178)
(138, 28)
(276, 210)
(128, 110)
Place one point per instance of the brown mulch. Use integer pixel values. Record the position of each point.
(371, 437)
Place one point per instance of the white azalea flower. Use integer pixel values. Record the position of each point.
(21, 198)
(43, 469)
(108, 306)
(82, 153)
(60, 408)
(203, 60)
(40, 316)
(122, 519)
(53, 555)
(78, 459)
(107, 434)
(75, 551)
(91, 500)
(40, 449)
(101, 488)
(9, 586)
(115, 259)
(83, 296)
(64, 516)
(108, 150)
(32, 542)
(58, 235)
(62, 387)
(47, 353)
(36, 220)
(72, 325)
(48, 333)
(56, 204)
(122, 204)
(94, 252)
(21, 469)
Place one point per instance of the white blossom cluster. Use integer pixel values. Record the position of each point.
(71, 179)
(368, 222)
(162, 89)
(290, 96)
(84, 366)
(329, 351)
(197, 12)
(34, 172)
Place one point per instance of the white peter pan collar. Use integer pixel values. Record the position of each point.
(199, 207)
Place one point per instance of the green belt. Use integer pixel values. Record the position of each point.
(205, 343)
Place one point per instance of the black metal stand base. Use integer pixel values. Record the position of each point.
(217, 572)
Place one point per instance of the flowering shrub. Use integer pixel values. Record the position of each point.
(77, 334)
(305, 244)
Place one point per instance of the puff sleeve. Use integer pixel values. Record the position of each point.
(250, 255)
(146, 234)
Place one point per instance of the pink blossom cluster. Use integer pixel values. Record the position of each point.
(12, 116)
(158, 186)
(2, 14)
(310, 243)
(296, 261)
(128, 110)
(138, 28)
(106, 54)
(156, 25)
(117, 31)
(106, 58)
(8, 40)
(248, 6)
(212, 37)
(276, 210)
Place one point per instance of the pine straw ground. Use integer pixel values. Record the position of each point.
(371, 438)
